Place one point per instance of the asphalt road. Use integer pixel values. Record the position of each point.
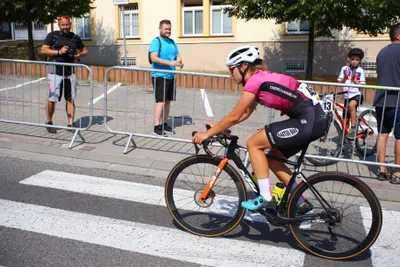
(61, 215)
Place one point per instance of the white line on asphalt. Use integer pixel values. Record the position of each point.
(108, 91)
(206, 103)
(22, 84)
(124, 190)
(144, 238)
(387, 245)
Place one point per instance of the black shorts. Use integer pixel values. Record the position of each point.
(358, 98)
(292, 135)
(65, 87)
(165, 89)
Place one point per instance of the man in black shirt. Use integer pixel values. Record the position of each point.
(62, 46)
(387, 102)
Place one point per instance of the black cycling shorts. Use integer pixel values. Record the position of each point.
(292, 135)
(358, 98)
(165, 89)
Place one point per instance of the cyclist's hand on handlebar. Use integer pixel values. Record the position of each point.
(199, 137)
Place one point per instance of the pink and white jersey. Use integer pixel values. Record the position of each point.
(274, 90)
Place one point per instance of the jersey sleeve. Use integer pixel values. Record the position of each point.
(252, 85)
(154, 45)
(341, 73)
(362, 76)
(79, 42)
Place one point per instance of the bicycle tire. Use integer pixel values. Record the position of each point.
(367, 146)
(187, 180)
(364, 219)
(321, 147)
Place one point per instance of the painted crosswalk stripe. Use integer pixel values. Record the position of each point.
(144, 238)
(124, 190)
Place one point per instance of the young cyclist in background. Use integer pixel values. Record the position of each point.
(352, 74)
(285, 138)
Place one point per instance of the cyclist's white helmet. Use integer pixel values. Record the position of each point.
(242, 54)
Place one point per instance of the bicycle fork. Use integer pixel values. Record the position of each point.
(204, 195)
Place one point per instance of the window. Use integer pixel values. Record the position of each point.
(295, 66)
(297, 27)
(369, 68)
(130, 61)
(192, 14)
(82, 26)
(221, 23)
(20, 26)
(37, 26)
(131, 20)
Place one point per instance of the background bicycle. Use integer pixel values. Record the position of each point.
(335, 143)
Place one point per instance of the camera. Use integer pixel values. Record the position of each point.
(71, 52)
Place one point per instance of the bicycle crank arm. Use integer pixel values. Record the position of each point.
(277, 220)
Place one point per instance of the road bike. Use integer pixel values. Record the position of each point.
(203, 193)
(335, 143)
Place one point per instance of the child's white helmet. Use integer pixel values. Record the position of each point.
(242, 54)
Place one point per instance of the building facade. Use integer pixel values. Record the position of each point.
(205, 35)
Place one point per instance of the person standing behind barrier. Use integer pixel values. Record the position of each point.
(62, 46)
(164, 55)
(387, 103)
(352, 74)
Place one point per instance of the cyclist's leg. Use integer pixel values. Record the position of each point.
(352, 110)
(256, 145)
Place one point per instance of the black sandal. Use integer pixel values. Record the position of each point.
(394, 179)
(383, 176)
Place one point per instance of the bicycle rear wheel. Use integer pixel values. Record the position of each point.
(221, 212)
(366, 143)
(328, 146)
(348, 228)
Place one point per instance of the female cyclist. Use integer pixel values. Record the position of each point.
(283, 138)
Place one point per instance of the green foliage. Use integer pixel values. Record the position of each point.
(367, 16)
(46, 11)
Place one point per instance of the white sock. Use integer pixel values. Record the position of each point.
(301, 199)
(265, 188)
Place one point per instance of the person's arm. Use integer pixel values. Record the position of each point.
(343, 75)
(46, 50)
(83, 52)
(241, 111)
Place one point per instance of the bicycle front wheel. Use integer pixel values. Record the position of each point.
(220, 212)
(347, 225)
(328, 146)
(367, 132)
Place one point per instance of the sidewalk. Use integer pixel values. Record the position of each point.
(150, 158)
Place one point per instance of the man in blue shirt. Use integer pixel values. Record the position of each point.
(163, 55)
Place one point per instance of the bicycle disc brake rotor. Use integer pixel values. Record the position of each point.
(207, 202)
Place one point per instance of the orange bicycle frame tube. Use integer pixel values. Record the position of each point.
(213, 179)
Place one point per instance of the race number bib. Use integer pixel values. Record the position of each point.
(309, 93)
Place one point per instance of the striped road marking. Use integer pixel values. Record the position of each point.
(113, 232)
(143, 238)
(22, 84)
(108, 91)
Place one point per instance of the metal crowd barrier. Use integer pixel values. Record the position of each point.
(360, 150)
(200, 98)
(24, 94)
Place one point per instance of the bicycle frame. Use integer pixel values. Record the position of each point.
(274, 217)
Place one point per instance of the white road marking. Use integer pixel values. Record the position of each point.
(206, 103)
(144, 238)
(387, 245)
(136, 192)
(108, 92)
(22, 84)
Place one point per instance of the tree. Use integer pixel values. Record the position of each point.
(45, 11)
(366, 16)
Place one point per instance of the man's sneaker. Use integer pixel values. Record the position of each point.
(72, 126)
(168, 128)
(259, 203)
(304, 208)
(158, 131)
(51, 129)
(352, 134)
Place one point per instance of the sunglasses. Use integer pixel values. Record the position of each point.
(231, 69)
